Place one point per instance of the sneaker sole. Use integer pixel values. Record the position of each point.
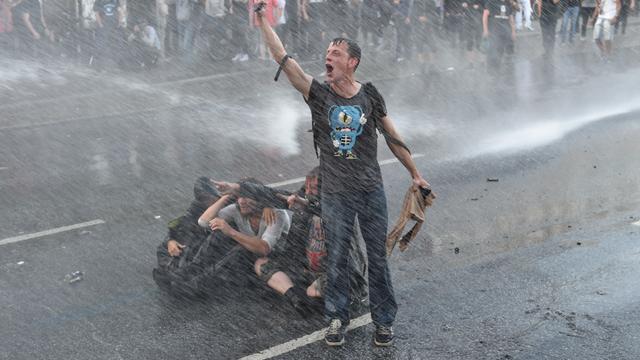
(331, 343)
(383, 344)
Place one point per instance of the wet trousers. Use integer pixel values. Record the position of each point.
(339, 211)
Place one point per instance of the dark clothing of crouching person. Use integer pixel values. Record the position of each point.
(243, 232)
(185, 237)
(298, 269)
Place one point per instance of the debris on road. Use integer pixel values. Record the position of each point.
(73, 277)
(493, 179)
(456, 250)
(578, 243)
(600, 292)
(157, 217)
(20, 262)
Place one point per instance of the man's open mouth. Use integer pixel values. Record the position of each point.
(329, 68)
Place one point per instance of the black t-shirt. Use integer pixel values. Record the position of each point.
(473, 12)
(549, 10)
(345, 134)
(499, 13)
(108, 10)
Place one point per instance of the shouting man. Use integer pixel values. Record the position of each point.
(345, 116)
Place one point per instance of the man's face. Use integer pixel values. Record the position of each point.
(247, 206)
(338, 63)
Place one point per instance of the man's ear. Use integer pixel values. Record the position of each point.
(353, 62)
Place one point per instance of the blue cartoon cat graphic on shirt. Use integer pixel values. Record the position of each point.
(347, 123)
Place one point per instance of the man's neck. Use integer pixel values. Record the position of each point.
(346, 88)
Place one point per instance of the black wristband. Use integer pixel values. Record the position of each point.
(281, 66)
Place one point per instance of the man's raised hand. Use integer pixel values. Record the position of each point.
(226, 188)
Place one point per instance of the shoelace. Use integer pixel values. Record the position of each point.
(334, 326)
(383, 330)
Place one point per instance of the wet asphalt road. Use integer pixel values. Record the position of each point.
(548, 254)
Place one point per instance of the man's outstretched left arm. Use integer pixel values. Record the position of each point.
(402, 154)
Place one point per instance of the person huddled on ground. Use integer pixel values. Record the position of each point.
(185, 236)
(144, 45)
(298, 270)
(243, 232)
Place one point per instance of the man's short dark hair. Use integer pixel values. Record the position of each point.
(353, 49)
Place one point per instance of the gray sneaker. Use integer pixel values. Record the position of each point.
(335, 333)
(383, 335)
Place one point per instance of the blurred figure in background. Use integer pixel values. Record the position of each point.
(109, 38)
(586, 14)
(524, 13)
(569, 23)
(628, 6)
(498, 26)
(548, 14)
(31, 28)
(401, 18)
(608, 13)
(6, 25)
(426, 15)
(240, 24)
(472, 29)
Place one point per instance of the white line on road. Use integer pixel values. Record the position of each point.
(3, 168)
(16, 239)
(301, 179)
(303, 341)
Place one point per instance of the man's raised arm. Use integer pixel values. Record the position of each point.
(297, 77)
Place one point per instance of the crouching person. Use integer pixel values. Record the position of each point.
(185, 235)
(144, 46)
(297, 270)
(244, 232)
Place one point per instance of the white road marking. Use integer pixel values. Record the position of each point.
(16, 239)
(303, 341)
(3, 168)
(301, 179)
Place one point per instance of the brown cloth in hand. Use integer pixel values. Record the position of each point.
(412, 209)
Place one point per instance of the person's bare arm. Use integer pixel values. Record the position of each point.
(403, 154)
(213, 211)
(26, 19)
(251, 243)
(485, 23)
(512, 22)
(99, 19)
(297, 77)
